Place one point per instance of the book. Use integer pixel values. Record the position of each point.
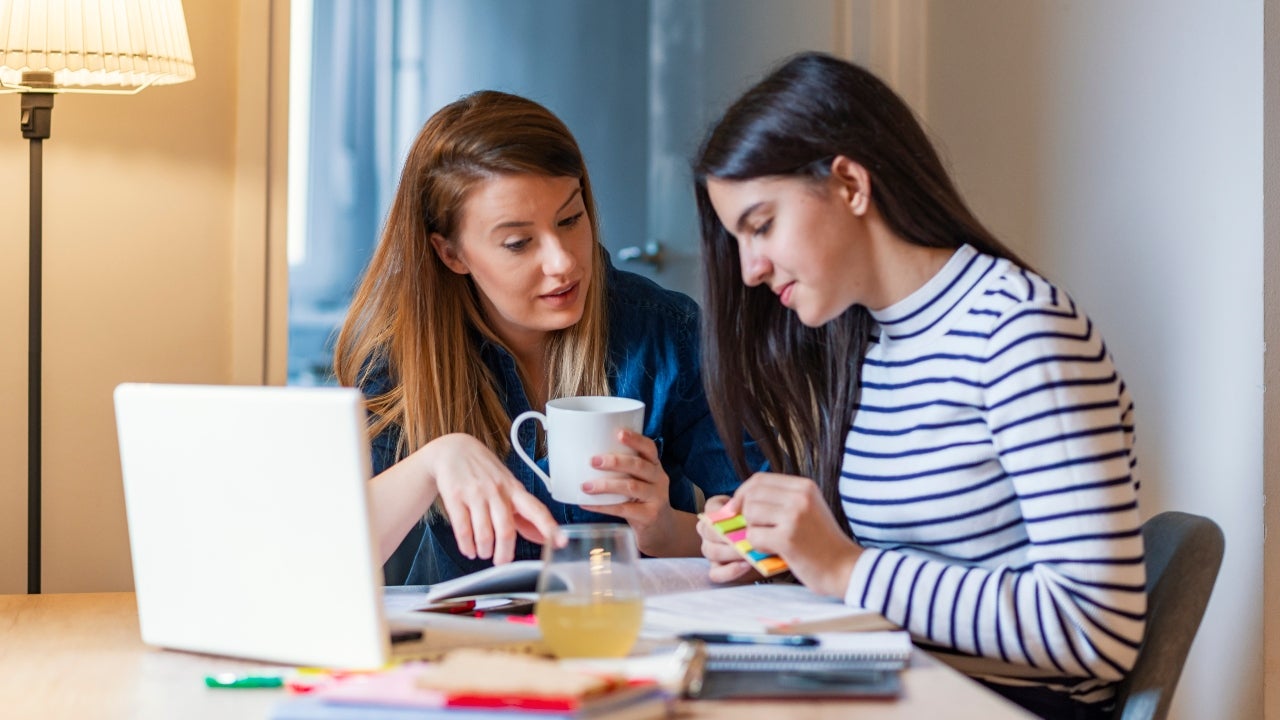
(772, 608)
(306, 707)
(863, 664)
(657, 575)
(679, 597)
(525, 686)
(798, 683)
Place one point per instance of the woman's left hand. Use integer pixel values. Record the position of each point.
(641, 478)
(786, 515)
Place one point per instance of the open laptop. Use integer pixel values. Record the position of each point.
(249, 529)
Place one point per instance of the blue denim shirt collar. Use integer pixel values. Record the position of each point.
(653, 356)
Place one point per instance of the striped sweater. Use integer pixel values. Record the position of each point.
(990, 474)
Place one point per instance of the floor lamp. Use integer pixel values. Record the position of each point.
(77, 46)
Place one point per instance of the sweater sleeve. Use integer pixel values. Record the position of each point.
(1061, 424)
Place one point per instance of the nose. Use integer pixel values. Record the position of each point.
(755, 266)
(556, 258)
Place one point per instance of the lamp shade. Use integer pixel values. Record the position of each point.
(93, 45)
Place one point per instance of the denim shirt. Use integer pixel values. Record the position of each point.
(653, 356)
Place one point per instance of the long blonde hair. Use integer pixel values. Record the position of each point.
(417, 320)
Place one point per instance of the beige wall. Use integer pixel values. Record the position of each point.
(139, 258)
(1119, 145)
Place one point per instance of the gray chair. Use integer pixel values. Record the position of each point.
(1183, 554)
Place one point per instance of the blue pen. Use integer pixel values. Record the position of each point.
(748, 639)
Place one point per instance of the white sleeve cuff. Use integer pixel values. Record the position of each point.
(860, 577)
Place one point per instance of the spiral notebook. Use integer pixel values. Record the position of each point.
(863, 664)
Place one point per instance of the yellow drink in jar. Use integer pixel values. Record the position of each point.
(590, 626)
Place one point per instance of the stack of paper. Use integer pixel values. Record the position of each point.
(508, 693)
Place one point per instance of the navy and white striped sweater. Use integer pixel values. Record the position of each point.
(991, 475)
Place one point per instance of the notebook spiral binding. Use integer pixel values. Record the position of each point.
(825, 665)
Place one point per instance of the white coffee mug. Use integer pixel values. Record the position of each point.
(578, 429)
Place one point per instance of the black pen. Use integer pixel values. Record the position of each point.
(747, 639)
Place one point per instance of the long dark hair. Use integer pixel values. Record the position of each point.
(794, 389)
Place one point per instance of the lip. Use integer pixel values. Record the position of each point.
(784, 293)
(563, 289)
(563, 295)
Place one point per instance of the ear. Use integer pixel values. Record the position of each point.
(448, 254)
(854, 183)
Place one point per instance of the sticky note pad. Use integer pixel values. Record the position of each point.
(734, 529)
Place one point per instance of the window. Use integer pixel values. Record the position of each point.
(636, 82)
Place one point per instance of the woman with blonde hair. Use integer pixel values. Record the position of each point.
(488, 295)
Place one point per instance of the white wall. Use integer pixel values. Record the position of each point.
(141, 262)
(1119, 145)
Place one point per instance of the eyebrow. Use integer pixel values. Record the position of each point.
(742, 219)
(525, 223)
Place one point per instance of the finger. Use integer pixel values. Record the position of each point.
(728, 572)
(628, 465)
(720, 552)
(732, 506)
(620, 485)
(626, 510)
(777, 482)
(535, 521)
(482, 529)
(504, 531)
(764, 508)
(769, 540)
(644, 447)
(709, 533)
(714, 503)
(460, 518)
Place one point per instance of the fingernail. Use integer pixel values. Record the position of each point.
(597, 462)
(587, 486)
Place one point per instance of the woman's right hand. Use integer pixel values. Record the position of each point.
(726, 564)
(486, 504)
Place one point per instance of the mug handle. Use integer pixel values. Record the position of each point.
(515, 442)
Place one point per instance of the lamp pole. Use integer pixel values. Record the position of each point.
(37, 109)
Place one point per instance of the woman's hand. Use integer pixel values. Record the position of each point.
(661, 531)
(486, 504)
(787, 516)
(726, 564)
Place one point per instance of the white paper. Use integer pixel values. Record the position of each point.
(777, 608)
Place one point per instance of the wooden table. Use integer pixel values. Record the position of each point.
(79, 657)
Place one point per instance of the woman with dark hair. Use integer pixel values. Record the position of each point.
(950, 442)
(488, 295)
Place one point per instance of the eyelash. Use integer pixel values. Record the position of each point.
(568, 223)
(763, 228)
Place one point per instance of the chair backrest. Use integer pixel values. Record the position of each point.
(1183, 553)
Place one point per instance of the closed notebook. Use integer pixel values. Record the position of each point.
(867, 664)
